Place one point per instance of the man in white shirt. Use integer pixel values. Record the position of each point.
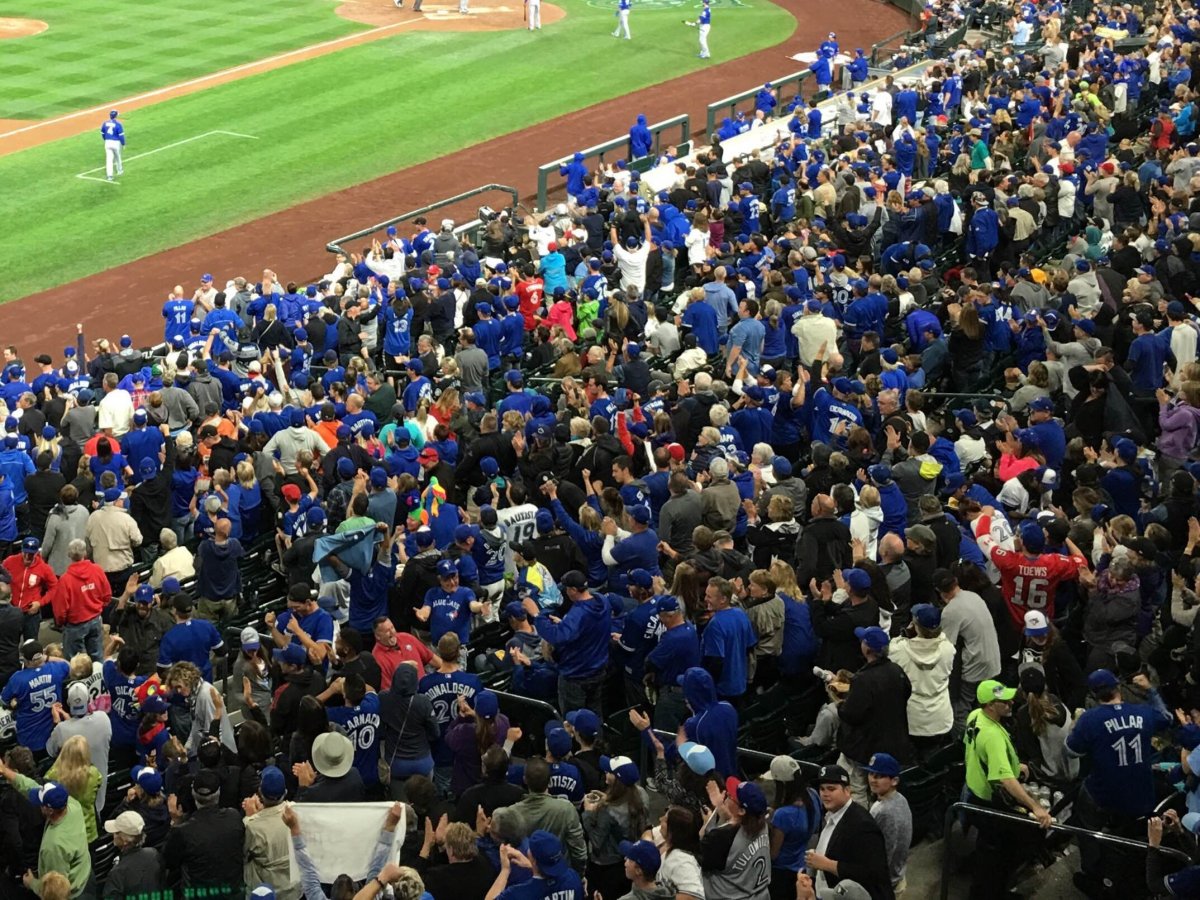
(631, 258)
(115, 415)
(813, 329)
(850, 846)
(205, 293)
(881, 109)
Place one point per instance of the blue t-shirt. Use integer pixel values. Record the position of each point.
(748, 334)
(1116, 740)
(729, 636)
(191, 641)
(361, 724)
(1147, 354)
(124, 713)
(797, 826)
(449, 612)
(36, 690)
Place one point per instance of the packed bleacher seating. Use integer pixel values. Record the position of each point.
(728, 540)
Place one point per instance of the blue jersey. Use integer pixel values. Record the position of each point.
(112, 130)
(702, 320)
(1116, 739)
(416, 391)
(191, 641)
(36, 691)
(318, 625)
(705, 17)
(604, 406)
(361, 724)
(397, 332)
(124, 712)
(677, 650)
(639, 637)
(829, 414)
(443, 691)
(178, 314)
(449, 612)
(569, 887)
(730, 637)
(369, 594)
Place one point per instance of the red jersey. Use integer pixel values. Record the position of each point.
(530, 294)
(1030, 583)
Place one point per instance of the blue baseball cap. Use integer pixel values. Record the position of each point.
(858, 580)
(883, 764)
(874, 637)
(447, 569)
(515, 610)
(51, 794)
(486, 704)
(147, 778)
(927, 615)
(547, 853)
(584, 721)
(643, 854)
(558, 742)
(1102, 679)
(293, 654)
(143, 594)
(697, 757)
(271, 783)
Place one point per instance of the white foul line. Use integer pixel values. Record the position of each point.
(212, 76)
(88, 176)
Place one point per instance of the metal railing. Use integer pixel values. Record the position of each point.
(728, 107)
(889, 44)
(599, 151)
(335, 245)
(971, 809)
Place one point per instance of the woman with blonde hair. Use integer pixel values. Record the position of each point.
(445, 407)
(866, 519)
(245, 502)
(73, 769)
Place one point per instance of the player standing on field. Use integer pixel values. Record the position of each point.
(113, 133)
(703, 24)
(533, 14)
(623, 19)
(1029, 579)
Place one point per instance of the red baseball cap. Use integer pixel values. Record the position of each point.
(429, 455)
(291, 493)
(676, 451)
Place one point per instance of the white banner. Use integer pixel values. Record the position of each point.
(341, 837)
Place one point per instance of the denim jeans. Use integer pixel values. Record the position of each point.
(87, 637)
(583, 693)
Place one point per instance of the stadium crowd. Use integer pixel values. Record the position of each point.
(889, 434)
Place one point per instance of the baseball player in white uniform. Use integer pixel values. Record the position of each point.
(623, 19)
(113, 133)
(533, 14)
(703, 25)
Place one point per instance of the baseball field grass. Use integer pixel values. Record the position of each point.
(94, 53)
(201, 163)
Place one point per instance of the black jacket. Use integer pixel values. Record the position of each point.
(208, 849)
(858, 847)
(824, 545)
(834, 624)
(286, 710)
(874, 714)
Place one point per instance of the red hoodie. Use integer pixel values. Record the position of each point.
(82, 593)
(32, 583)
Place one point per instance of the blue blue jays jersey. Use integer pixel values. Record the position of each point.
(112, 130)
(705, 16)
(624, 5)
(178, 314)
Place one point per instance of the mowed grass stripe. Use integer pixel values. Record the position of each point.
(95, 53)
(453, 91)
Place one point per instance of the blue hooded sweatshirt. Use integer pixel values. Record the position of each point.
(713, 723)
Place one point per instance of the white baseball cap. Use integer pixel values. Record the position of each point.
(1035, 623)
(128, 823)
(78, 699)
